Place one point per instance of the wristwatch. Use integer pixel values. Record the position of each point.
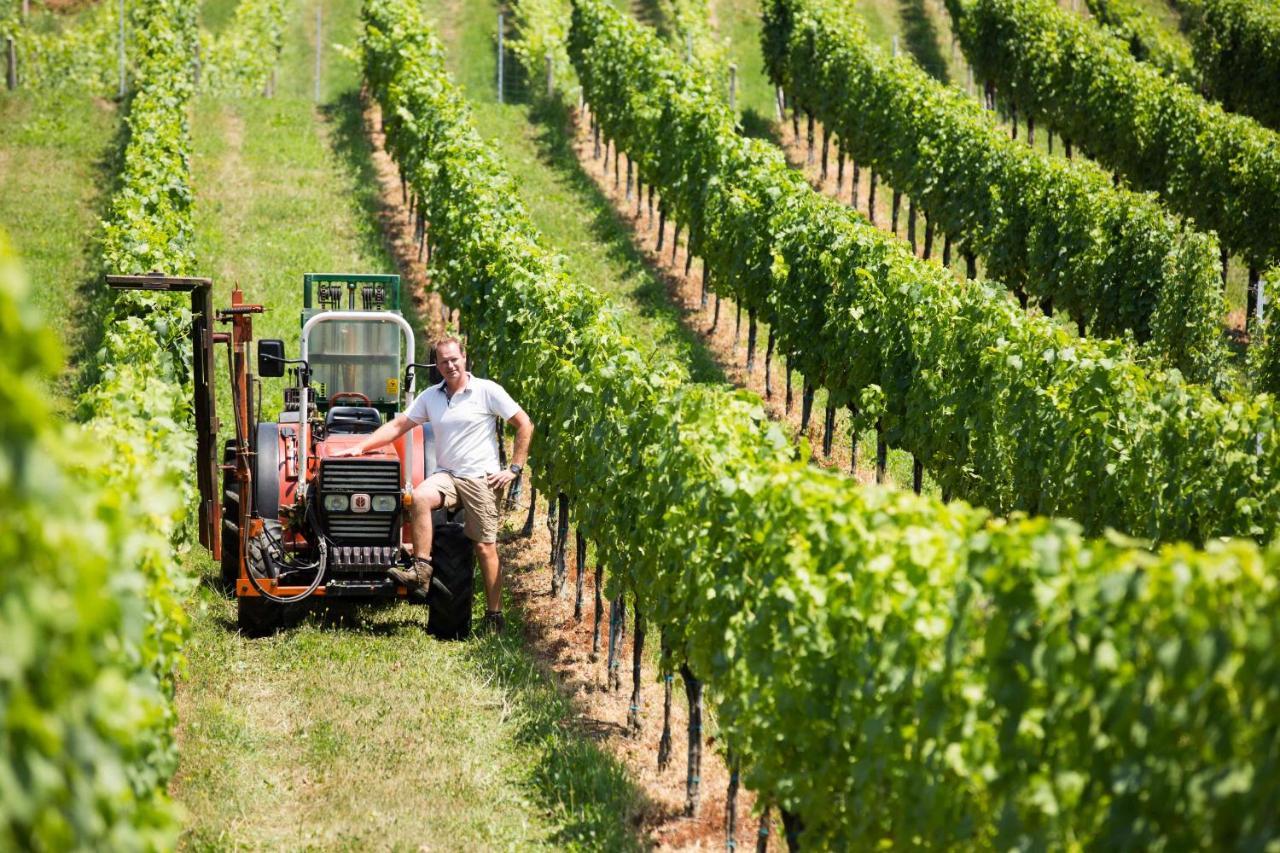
(516, 469)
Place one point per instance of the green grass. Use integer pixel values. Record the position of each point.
(57, 152)
(359, 732)
(355, 730)
(562, 201)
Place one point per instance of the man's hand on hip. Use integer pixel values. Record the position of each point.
(500, 479)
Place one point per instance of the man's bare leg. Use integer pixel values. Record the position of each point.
(491, 571)
(425, 501)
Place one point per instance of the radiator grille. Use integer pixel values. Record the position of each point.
(349, 476)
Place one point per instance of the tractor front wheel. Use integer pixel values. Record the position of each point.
(255, 615)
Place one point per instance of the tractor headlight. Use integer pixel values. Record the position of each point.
(384, 503)
(336, 503)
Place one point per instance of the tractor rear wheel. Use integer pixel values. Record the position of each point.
(455, 564)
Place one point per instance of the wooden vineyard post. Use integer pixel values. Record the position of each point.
(751, 340)
(871, 199)
(617, 622)
(733, 88)
(928, 236)
(768, 360)
(806, 406)
(826, 147)
(580, 559)
(319, 48)
(664, 742)
(897, 204)
(637, 652)
(828, 427)
(762, 834)
(809, 139)
(10, 64)
(731, 804)
(527, 530)
(693, 694)
(595, 628)
(1251, 296)
(788, 371)
(560, 571)
(911, 224)
(853, 439)
(501, 69)
(882, 451)
(917, 475)
(120, 53)
(1225, 259)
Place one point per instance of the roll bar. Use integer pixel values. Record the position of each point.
(364, 317)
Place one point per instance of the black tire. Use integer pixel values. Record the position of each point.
(255, 615)
(455, 566)
(230, 512)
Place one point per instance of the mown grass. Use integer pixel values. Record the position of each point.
(563, 203)
(57, 161)
(353, 730)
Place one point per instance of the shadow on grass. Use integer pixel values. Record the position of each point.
(552, 122)
(91, 310)
(921, 37)
(756, 125)
(588, 792)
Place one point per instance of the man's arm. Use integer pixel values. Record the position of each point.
(519, 453)
(382, 436)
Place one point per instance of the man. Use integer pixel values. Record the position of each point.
(461, 410)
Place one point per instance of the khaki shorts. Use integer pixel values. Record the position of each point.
(477, 497)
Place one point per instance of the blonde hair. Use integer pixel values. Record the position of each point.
(449, 339)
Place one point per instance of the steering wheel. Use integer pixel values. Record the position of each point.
(333, 401)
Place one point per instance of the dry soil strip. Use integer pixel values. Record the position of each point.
(562, 644)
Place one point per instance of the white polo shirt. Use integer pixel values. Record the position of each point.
(466, 438)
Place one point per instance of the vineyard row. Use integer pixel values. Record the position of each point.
(886, 668)
(1003, 408)
(1220, 169)
(86, 56)
(97, 511)
(1055, 229)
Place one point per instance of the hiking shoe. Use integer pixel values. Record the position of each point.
(493, 623)
(417, 576)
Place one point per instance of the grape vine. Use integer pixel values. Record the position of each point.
(1002, 407)
(1220, 169)
(93, 611)
(1236, 44)
(888, 668)
(1112, 259)
(1147, 40)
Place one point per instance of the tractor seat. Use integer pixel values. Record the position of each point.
(352, 420)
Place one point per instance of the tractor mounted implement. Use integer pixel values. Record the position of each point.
(293, 524)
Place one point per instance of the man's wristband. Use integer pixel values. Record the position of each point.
(516, 469)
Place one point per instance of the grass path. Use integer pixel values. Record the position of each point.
(562, 201)
(56, 167)
(360, 733)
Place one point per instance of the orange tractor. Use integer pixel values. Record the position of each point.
(293, 524)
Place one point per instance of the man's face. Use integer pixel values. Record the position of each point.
(451, 362)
